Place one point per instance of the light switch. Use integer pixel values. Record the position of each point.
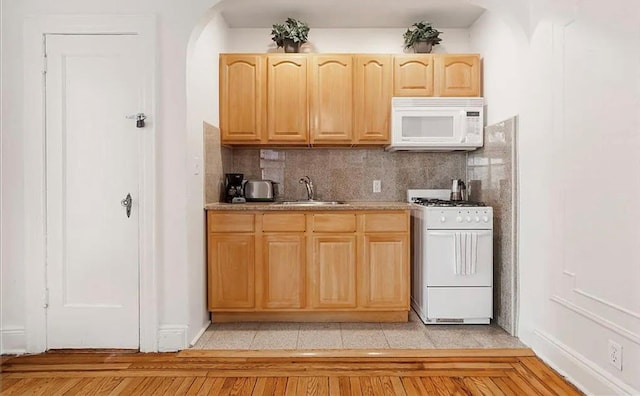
(196, 165)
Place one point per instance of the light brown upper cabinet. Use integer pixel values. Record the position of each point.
(372, 99)
(242, 98)
(436, 75)
(331, 98)
(287, 117)
(413, 75)
(458, 75)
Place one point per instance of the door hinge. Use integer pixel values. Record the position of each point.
(46, 298)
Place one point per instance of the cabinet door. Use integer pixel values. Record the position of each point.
(231, 271)
(287, 108)
(242, 99)
(458, 75)
(283, 271)
(384, 271)
(333, 277)
(413, 75)
(372, 99)
(331, 98)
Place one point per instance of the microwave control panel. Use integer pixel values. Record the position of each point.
(474, 125)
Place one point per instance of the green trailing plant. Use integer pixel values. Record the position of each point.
(421, 31)
(292, 29)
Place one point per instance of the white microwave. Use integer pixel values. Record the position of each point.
(436, 124)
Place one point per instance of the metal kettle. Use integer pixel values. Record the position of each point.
(458, 190)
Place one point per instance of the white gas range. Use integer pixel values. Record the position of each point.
(452, 259)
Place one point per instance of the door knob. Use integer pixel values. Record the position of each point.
(139, 117)
(127, 202)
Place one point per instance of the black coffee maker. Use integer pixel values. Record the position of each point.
(233, 187)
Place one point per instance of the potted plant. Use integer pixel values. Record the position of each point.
(421, 36)
(290, 34)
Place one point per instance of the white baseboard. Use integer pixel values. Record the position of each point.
(172, 338)
(13, 341)
(583, 373)
(200, 333)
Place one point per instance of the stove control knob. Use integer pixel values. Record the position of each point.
(459, 219)
(477, 219)
(443, 219)
(468, 219)
(485, 219)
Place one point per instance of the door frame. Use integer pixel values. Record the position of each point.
(36, 29)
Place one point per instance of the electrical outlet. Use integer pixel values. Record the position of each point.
(615, 354)
(377, 186)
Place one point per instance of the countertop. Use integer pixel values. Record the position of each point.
(275, 206)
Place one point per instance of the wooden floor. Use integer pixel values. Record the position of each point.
(351, 372)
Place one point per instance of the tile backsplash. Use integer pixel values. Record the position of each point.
(348, 174)
(217, 158)
(491, 175)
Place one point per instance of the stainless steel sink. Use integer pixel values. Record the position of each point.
(311, 203)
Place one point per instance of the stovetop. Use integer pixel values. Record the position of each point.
(441, 213)
(444, 202)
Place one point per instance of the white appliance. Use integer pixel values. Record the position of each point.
(436, 124)
(452, 259)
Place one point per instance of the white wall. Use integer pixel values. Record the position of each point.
(12, 296)
(346, 40)
(578, 268)
(501, 54)
(202, 104)
(175, 24)
(579, 162)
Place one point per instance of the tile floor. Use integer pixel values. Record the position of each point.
(410, 335)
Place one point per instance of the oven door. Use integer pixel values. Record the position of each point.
(459, 258)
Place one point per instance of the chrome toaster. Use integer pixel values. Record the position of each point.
(260, 190)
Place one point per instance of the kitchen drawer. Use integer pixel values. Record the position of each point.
(386, 222)
(334, 222)
(459, 302)
(277, 222)
(230, 222)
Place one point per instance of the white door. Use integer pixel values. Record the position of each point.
(459, 257)
(92, 83)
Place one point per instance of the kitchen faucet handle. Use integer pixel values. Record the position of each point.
(309, 185)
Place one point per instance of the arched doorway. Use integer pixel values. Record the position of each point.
(506, 19)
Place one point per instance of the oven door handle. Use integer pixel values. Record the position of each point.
(465, 253)
(457, 253)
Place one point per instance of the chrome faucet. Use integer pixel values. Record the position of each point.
(309, 185)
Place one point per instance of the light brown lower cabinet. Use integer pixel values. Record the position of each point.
(333, 271)
(283, 271)
(382, 282)
(309, 266)
(231, 271)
